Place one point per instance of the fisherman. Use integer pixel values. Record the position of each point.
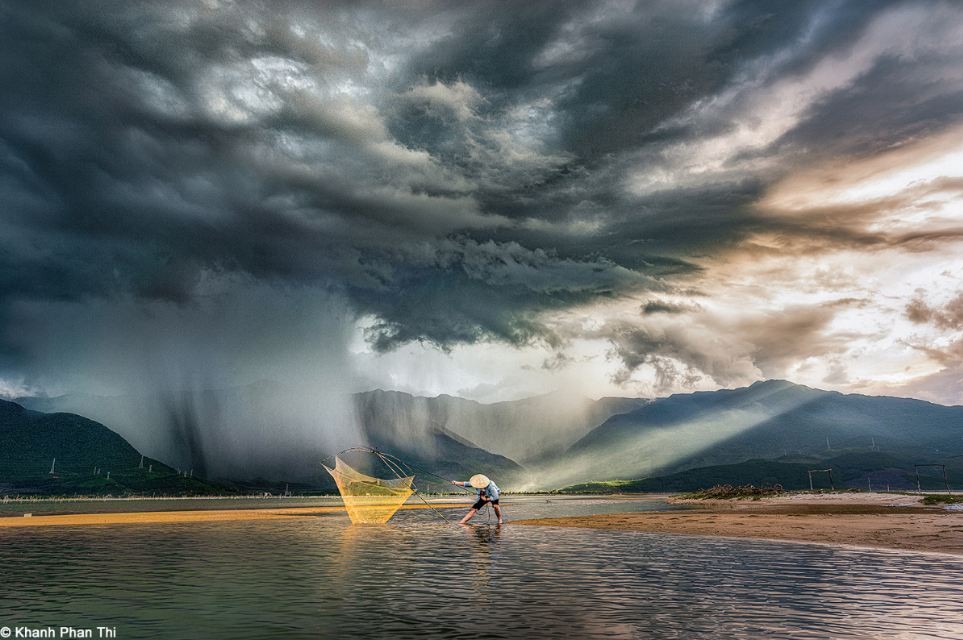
(487, 494)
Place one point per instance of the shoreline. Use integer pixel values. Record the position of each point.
(879, 521)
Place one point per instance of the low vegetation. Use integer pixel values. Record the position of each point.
(943, 498)
(731, 492)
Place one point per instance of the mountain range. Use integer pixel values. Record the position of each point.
(528, 430)
(556, 440)
(203, 429)
(767, 420)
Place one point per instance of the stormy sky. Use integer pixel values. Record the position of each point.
(481, 198)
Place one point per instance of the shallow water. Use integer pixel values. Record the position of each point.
(547, 504)
(322, 577)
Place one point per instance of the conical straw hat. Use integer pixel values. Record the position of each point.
(479, 481)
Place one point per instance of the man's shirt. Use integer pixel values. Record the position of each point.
(491, 490)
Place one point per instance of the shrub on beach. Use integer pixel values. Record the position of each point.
(729, 492)
(935, 498)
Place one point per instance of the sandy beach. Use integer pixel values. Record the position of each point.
(884, 521)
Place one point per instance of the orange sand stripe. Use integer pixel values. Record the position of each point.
(163, 517)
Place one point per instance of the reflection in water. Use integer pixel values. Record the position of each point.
(484, 533)
(481, 541)
(310, 578)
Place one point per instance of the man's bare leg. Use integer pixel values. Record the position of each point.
(498, 512)
(468, 516)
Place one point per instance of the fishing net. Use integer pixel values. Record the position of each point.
(369, 500)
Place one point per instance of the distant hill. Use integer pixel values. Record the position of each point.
(768, 420)
(869, 470)
(257, 431)
(754, 472)
(525, 430)
(406, 426)
(32, 439)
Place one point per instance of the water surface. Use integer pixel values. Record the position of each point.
(322, 577)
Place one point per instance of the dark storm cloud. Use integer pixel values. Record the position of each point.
(453, 170)
(658, 306)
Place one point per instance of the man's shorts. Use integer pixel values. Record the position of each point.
(481, 503)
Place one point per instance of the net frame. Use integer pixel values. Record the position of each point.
(367, 499)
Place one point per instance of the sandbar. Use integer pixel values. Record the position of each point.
(883, 521)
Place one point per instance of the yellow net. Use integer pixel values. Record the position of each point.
(369, 500)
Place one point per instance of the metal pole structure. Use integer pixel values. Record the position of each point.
(828, 471)
(919, 487)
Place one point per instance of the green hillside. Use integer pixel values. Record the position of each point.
(86, 452)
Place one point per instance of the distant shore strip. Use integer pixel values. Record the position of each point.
(169, 517)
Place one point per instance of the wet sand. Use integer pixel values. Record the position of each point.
(166, 517)
(880, 521)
